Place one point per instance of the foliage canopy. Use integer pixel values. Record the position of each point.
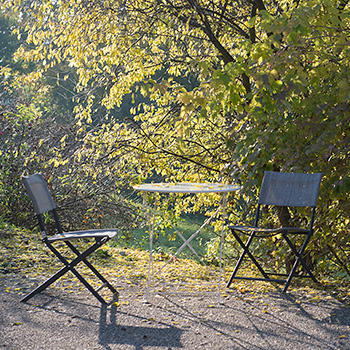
(230, 89)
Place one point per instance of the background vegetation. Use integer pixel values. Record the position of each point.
(100, 95)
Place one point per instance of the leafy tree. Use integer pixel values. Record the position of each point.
(29, 140)
(270, 91)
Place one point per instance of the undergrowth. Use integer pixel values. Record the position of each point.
(23, 253)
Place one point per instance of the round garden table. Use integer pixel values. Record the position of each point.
(187, 188)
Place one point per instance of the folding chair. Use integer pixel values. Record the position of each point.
(43, 203)
(287, 190)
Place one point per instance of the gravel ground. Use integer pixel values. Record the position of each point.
(56, 319)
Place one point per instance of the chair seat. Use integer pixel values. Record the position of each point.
(268, 230)
(66, 236)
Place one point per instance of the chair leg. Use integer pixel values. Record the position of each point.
(240, 260)
(92, 268)
(55, 277)
(297, 261)
(81, 257)
(44, 285)
(88, 286)
(68, 267)
(299, 256)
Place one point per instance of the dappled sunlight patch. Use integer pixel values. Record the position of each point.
(24, 256)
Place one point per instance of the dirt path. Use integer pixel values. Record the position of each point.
(61, 320)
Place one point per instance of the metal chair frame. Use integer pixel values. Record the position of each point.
(43, 203)
(292, 184)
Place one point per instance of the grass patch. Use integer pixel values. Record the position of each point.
(165, 240)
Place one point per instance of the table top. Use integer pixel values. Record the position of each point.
(186, 187)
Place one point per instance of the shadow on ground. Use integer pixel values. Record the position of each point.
(138, 336)
(61, 320)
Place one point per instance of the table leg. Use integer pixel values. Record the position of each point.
(151, 220)
(222, 243)
(187, 243)
(151, 223)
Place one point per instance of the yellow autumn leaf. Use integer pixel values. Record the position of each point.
(316, 299)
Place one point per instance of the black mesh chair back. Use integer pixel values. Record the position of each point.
(290, 189)
(281, 190)
(39, 193)
(43, 203)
